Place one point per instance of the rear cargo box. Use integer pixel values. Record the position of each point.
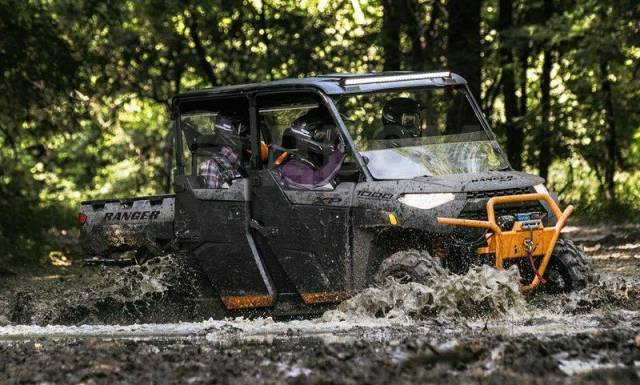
(127, 224)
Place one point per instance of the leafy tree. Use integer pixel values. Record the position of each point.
(87, 86)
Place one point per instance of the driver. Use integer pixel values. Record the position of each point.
(317, 151)
(400, 119)
(225, 165)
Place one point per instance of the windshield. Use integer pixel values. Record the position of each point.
(419, 132)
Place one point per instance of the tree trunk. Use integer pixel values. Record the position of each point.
(544, 156)
(544, 144)
(463, 48)
(391, 24)
(431, 51)
(610, 133)
(524, 67)
(205, 66)
(410, 16)
(414, 23)
(512, 128)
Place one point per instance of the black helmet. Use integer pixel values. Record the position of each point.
(401, 111)
(313, 135)
(232, 132)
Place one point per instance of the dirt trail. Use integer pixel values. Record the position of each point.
(466, 329)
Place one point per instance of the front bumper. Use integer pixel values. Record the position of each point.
(525, 239)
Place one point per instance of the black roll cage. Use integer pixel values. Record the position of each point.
(253, 123)
(328, 102)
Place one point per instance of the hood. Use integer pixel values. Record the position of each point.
(460, 183)
(492, 180)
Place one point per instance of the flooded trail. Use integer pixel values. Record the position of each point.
(546, 350)
(235, 330)
(476, 328)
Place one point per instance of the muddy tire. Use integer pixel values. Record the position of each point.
(410, 266)
(569, 269)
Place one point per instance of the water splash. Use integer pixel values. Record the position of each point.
(608, 293)
(482, 292)
(123, 295)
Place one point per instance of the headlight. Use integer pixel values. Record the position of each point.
(426, 201)
(540, 189)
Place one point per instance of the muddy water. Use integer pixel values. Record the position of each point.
(161, 290)
(463, 329)
(482, 292)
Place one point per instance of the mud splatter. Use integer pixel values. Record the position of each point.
(608, 293)
(482, 292)
(587, 337)
(131, 294)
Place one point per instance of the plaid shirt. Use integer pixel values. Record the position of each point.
(221, 169)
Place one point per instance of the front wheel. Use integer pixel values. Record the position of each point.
(569, 268)
(410, 266)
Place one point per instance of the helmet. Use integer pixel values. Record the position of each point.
(401, 111)
(232, 132)
(313, 135)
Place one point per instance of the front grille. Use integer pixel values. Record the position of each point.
(506, 209)
(498, 193)
(476, 206)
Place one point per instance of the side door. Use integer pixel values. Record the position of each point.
(212, 214)
(305, 229)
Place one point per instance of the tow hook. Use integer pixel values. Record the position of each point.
(529, 246)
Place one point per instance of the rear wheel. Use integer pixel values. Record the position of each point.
(569, 269)
(410, 266)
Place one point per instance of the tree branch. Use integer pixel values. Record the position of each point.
(205, 66)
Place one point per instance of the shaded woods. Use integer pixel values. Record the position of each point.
(86, 87)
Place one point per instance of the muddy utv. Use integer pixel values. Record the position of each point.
(294, 194)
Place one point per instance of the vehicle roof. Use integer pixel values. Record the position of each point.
(338, 84)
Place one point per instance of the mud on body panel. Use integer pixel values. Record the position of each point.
(129, 224)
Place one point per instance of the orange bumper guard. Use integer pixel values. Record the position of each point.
(525, 239)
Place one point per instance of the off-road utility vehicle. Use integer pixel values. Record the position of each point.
(301, 192)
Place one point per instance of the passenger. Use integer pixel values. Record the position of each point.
(220, 170)
(317, 151)
(400, 119)
(226, 164)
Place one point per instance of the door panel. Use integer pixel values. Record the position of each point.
(310, 239)
(213, 224)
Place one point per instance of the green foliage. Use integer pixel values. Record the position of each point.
(579, 185)
(594, 46)
(40, 73)
(86, 87)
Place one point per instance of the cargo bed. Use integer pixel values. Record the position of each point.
(115, 225)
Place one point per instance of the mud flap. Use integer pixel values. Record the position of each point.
(239, 278)
(309, 277)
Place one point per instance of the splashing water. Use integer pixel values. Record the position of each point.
(482, 292)
(115, 296)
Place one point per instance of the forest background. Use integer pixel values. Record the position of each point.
(86, 86)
